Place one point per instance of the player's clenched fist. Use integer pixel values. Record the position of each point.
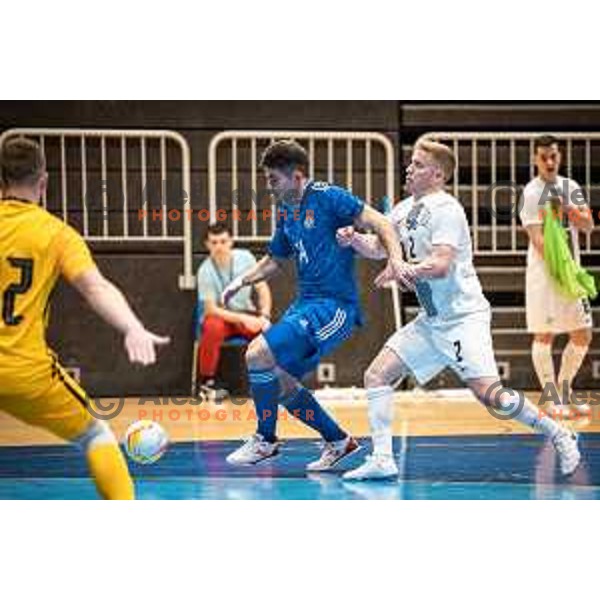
(344, 236)
(400, 271)
(255, 324)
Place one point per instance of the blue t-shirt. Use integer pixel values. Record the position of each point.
(212, 280)
(306, 233)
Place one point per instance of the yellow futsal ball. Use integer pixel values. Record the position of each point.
(145, 441)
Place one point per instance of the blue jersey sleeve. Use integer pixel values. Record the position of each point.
(346, 207)
(279, 247)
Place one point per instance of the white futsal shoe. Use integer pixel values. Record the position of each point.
(569, 410)
(569, 457)
(582, 409)
(376, 466)
(333, 453)
(254, 450)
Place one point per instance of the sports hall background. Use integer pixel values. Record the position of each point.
(148, 273)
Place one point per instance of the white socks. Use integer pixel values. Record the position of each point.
(530, 415)
(541, 355)
(381, 416)
(572, 359)
(534, 418)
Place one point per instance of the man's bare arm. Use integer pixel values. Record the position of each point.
(437, 264)
(264, 269)
(366, 244)
(264, 300)
(388, 241)
(536, 236)
(396, 268)
(582, 218)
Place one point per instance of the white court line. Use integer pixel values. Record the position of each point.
(403, 453)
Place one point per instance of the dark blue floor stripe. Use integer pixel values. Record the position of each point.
(311, 488)
(520, 459)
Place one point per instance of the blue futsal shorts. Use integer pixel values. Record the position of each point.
(308, 331)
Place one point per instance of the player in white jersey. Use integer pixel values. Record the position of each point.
(549, 312)
(453, 327)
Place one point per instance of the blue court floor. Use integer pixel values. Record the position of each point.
(458, 467)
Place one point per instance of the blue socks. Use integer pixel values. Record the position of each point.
(304, 406)
(265, 392)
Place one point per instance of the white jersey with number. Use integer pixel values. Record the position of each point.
(548, 310)
(438, 219)
(453, 328)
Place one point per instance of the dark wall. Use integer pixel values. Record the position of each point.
(83, 340)
(421, 117)
(367, 115)
(207, 115)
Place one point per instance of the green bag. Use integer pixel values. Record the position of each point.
(572, 279)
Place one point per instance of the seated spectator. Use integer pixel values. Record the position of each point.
(241, 317)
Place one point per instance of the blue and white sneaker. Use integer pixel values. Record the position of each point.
(333, 453)
(569, 457)
(376, 466)
(254, 450)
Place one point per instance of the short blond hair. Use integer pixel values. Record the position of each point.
(440, 153)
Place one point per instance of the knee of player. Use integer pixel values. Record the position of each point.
(213, 325)
(543, 338)
(255, 353)
(98, 433)
(507, 401)
(289, 387)
(582, 337)
(373, 377)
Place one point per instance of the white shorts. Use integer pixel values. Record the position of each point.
(548, 311)
(465, 346)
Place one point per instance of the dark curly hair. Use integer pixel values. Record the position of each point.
(544, 141)
(285, 155)
(217, 229)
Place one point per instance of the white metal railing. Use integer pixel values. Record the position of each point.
(323, 147)
(82, 159)
(508, 158)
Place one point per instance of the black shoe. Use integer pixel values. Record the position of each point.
(209, 392)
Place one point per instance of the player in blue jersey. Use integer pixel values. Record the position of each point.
(325, 311)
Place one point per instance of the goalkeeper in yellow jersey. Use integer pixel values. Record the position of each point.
(36, 249)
